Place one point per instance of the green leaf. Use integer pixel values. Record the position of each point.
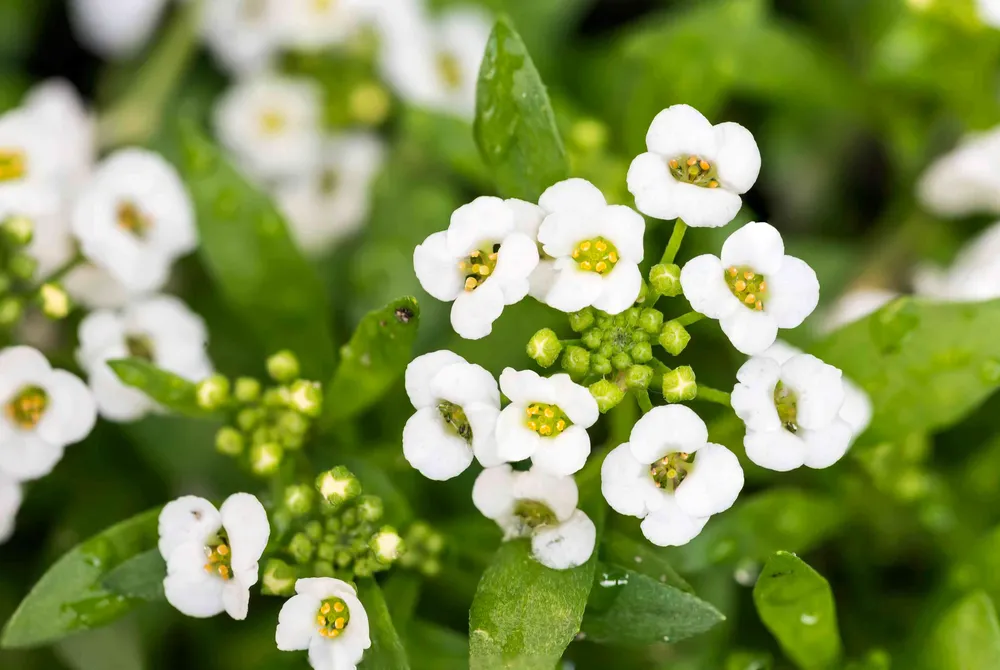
(139, 577)
(966, 637)
(386, 652)
(630, 608)
(515, 127)
(246, 248)
(373, 360)
(70, 597)
(924, 365)
(796, 605)
(642, 557)
(435, 647)
(170, 390)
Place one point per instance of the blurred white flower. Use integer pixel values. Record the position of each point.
(51, 243)
(457, 407)
(271, 124)
(58, 106)
(540, 505)
(325, 617)
(115, 29)
(243, 35)
(331, 203)
(212, 554)
(989, 12)
(10, 503)
(754, 289)
(669, 475)
(966, 180)
(482, 263)
(31, 154)
(596, 249)
(317, 24)
(159, 329)
(693, 170)
(854, 306)
(41, 411)
(973, 276)
(547, 421)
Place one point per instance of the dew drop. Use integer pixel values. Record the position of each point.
(809, 619)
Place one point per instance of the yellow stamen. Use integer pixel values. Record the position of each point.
(713, 184)
(548, 413)
(763, 286)
(750, 299)
(601, 246)
(613, 257)
(545, 430)
(576, 253)
(222, 550)
(470, 283)
(748, 275)
(601, 266)
(740, 285)
(560, 424)
(704, 165)
(732, 271)
(325, 609)
(321, 620)
(532, 425)
(585, 246)
(759, 306)
(338, 607)
(674, 164)
(339, 623)
(474, 254)
(692, 161)
(585, 265)
(484, 270)
(492, 256)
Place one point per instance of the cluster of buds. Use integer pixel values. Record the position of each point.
(424, 546)
(17, 271)
(265, 422)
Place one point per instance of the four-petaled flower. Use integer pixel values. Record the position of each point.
(326, 618)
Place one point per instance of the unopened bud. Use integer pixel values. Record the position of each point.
(600, 364)
(387, 545)
(651, 320)
(299, 499)
(307, 397)
(674, 337)
(213, 393)
(54, 300)
(265, 459)
(337, 486)
(18, 230)
(641, 352)
(247, 389)
(680, 385)
(279, 578)
(582, 320)
(621, 361)
(323, 569)
(544, 347)
(11, 310)
(592, 338)
(229, 441)
(370, 508)
(589, 134)
(369, 104)
(301, 548)
(314, 529)
(283, 366)
(607, 394)
(576, 361)
(666, 279)
(293, 423)
(326, 551)
(22, 266)
(639, 377)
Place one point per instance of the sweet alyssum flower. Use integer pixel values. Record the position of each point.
(243, 35)
(973, 276)
(317, 24)
(482, 263)
(966, 180)
(212, 554)
(161, 330)
(58, 105)
(457, 407)
(539, 505)
(41, 411)
(754, 289)
(596, 248)
(792, 412)
(325, 617)
(115, 28)
(30, 154)
(547, 421)
(10, 503)
(669, 475)
(989, 12)
(693, 170)
(134, 218)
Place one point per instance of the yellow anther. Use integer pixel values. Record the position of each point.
(338, 607)
(759, 306)
(674, 164)
(334, 633)
(713, 184)
(224, 571)
(740, 285)
(585, 265)
(748, 275)
(209, 567)
(470, 283)
(704, 165)
(474, 254)
(732, 271)
(601, 266)
(560, 424)
(484, 270)
(532, 410)
(763, 286)
(532, 425)
(461, 265)
(585, 246)
(476, 268)
(545, 430)
(222, 550)
(321, 620)
(492, 256)
(549, 413)
(750, 299)
(339, 623)
(601, 246)
(692, 161)
(325, 609)
(576, 253)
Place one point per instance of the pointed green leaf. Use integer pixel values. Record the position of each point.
(642, 557)
(139, 577)
(515, 127)
(386, 652)
(796, 605)
(967, 637)
(169, 390)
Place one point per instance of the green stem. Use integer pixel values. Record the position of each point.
(645, 404)
(674, 244)
(60, 272)
(570, 343)
(709, 394)
(688, 319)
(622, 418)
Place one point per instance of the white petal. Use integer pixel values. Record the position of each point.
(704, 285)
(433, 448)
(527, 386)
(575, 400)
(189, 587)
(186, 519)
(564, 454)
(322, 588)
(818, 387)
(792, 293)
(857, 407)
(681, 130)
(755, 406)
(626, 483)
(702, 207)
(738, 159)
(781, 351)
(573, 289)
(828, 445)
(25, 455)
(756, 245)
(246, 524)
(10, 503)
(760, 372)
(483, 420)
(462, 383)
(71, 412)
(493, 492)
(572, 195)
(473, 312)
(516, 260)
(437, 269)
(775, 450)
(356, 636)
(713, 484)
(527, 216)
(297, 623)
(323, 655)
(667, 429)
(420, 374)
(856, 305)
(541, 280)
(626, 229)
(670, 526)
(560, 494)
(515, 441)
(236, 599)
(19, 367)
(653, 186)
(750, 331)
(619, 288)
(561, 231)
(483, 222)
(567, 545)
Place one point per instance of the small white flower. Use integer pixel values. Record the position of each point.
(547, 421)
(41, 411)
(30, 152)
(134, 218)
(58, 105)
(973, 276)
(243, 35)
(10, 503)
(333, 202)
(317, 24)
(669, 475)
(540, 505)
(160, 329)
(212, 554)
(854, 306)
(271, 124)
(754, 289)
(966, 180)
(457, 407)
(792, 412)
(693, 170)
(596, 248)
(51, 243)
(482, 263)
(115, 29)
(989, 12)
(325, 617)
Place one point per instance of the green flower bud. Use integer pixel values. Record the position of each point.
(576, 361)
(431, 567)
(639, 377)
(283, 367)
(292, 442)
(350, 519)
(618, 320)
(22, 266)
(607, 350)
(582, 320)
(323, 569)
(674, 337)
(641, 352)
(337, 486)
(604, 321)
(301, 548)
(666, 279)
(643, 293)
(307, 397)
(229, 441)
(651, 320)
(247, 389)
(11, 310)
(621, 361)
(588, 135)
(387, 545)
(344, 559)
(299, 499)
(293, 423)
(679, 384)
(5, 283)
(265, 459)
(632, 315)
(248, 418)
(434, 543)
(600, 364)
(18, 230)
(592, 338)
(333, 525)
(213, 393)
(54, 301)
(276, 397)
(279, 578)
(264, 434)
(607, 394)
(370, 508)
(314, 529)
(640, 336)
(326, 551)
(364, 568)
(544, 347)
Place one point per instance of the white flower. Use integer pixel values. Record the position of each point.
(854, 306)
(212, 554)
(51, 243)
(331, 203)
(547, 421)
(482, 263)
(966, 180)
(973, 276)
(271, 124)
(989, 12)
(540, 505)
(669, 475)
(10, 503)
(115, 29)
(754, 289)
(41, 411)
(30, 152)
(243, 35)
(160, 329)
(325, 617)
(792, 412)
(317, 24)
(693, 170)
(58, 105)
(134, 218)
(597, 248)
(457, 407)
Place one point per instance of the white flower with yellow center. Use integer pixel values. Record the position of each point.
(973, 276)
(30, 153)
(10, 503)
(326, 618)
(317, 24)
(669, 475)
(966, 180)
(212, 554)
(693, 170)
(547, 421)
(482, 263)
(754, 289)
(161, 330)
(134, 218)
(541, 506)
(596, 248)
(115, 29)
(41, 411)
(243, 35)
(457, 407)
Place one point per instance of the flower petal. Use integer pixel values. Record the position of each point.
(667, 429)
(297, 622)
(567, 545)
(818, 387)
(626, 228)
(827, 446)
(671, 526)
(19, 367)
(420, 374)
(750, 331)
(792, 293)
(572, 195)
(527, 386)
(246, 524)
(756, 245)
(527, 216)
(681, 130)
(560, 494)
(483, 222)
(236, 599)
(189, 587)
(186, 519)
(738, 159)
(516, 260)
(71, 412)
(483, 420)
(713, 484)
(857, 407)
(462, 383)
(619, 288)
(704, 285)
(493, 492)
(432, 448)
(625, 482)
(515, 441)
(653, 186)
(436, 269)
(573, 289)
(25, 455)
(473, 312)
(575, 400)
(776, 450)
(702, 207)
(564, 454)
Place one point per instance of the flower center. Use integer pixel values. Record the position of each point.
(322, 6)
(670, 471)
(478, 266)
(272, 121)
(329, 179)
(786, 402)
(140, 346)
(219, 556)
(534, 513)
(450, 70)
(26, 408)
(547, 420)
(332, 617)
(132, 220)
(454, 416)
(747, 285)
(694, 170)
(12, 164)
(596, 255)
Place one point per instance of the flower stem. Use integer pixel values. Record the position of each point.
(569, 343)
(688, 319)
(645, 404)
(674, 244)
(709, 394)
(621, 419)
(60, 272)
